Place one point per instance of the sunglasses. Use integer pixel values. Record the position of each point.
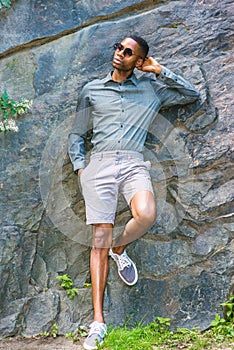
(126, 52)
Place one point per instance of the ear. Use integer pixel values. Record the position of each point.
(139, 63)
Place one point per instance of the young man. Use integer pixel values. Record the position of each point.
(120, 108)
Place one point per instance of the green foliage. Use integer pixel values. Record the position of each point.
(45, 334)
(81, 332)
(67, 284)
(5, 3)
(10, 109)
(157, 335)
(53, 333)
(164, 323)
(87, 285)
(224, 327)
(70, 336)
(54, 330)
(139, 338)
(229, 306)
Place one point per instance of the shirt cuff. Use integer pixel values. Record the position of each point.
(78, 165)
(166, 73)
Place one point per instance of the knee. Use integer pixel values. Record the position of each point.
(102, 238)
(146, 215)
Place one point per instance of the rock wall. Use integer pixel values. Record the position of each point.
(48, 51)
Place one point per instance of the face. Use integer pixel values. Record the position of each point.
(125, 62)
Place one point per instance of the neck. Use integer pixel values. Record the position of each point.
(119, 75)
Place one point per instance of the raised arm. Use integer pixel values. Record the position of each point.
(175, 90)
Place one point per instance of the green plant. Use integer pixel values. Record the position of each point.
(158, 335)
(9, 109)
(53, 333)
(229, 308)
(81, 332)
(70, 336)
(54, 330)
(218, 322)
(67, 284)
(5, 3)
(87, 285)
(43, 334)
(164, 323)
(223, 327)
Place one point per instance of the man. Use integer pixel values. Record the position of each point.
(120, 108)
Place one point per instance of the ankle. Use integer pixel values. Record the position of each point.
(118, 250)
(99, 319)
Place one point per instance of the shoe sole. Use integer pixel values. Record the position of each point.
(89, 347)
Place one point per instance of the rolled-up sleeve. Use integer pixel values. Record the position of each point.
(76, 139)
(176, 89)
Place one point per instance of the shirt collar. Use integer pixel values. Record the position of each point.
(132, 78)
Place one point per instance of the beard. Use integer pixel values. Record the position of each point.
(121, 67)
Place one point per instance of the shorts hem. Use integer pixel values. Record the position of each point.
(92, 222)
(128, 200)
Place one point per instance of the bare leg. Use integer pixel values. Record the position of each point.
(102, 237)
(144, 214)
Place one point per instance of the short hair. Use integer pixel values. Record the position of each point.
(141, 42)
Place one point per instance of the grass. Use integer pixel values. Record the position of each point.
(157, 335)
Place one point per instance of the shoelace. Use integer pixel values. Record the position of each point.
(97, 329)
(123, 262)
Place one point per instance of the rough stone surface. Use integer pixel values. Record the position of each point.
(48, 51)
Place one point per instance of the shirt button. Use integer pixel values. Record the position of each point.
(121, 125)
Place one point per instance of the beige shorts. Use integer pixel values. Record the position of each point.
(107, 175)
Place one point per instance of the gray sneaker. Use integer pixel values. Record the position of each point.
(126, 268)
(96, 335)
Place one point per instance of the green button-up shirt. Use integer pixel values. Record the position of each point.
(120, 113)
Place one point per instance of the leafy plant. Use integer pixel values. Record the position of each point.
(87, 285)
(70, 336)
(157, 335)
(10, 109)
(224, 326)
(45, 334)
(67, 284)
(54, 330)
(53, 333)
(5, 3)
(164, 323)
(229, 306)
(81, 332)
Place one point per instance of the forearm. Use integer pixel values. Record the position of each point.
(183, 86)
(76, 151)
(77, 136)
(180, 91)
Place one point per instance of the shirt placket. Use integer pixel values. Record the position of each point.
(122, 114)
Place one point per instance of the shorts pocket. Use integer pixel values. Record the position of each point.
(84, 170)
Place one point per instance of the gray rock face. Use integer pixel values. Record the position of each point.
(186, 260)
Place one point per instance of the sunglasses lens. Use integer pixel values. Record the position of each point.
(118, 47)
(128, 52)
